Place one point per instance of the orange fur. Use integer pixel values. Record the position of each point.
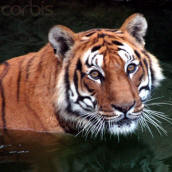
(29, 84)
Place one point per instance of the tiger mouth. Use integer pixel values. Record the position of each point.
(117, 118)
(126, 121)
(109, 117)
(122, 122)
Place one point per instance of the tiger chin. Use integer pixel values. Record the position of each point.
(91, 82)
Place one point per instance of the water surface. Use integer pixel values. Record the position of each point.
(26, 151)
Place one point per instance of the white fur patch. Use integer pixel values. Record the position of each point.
(126, 53)
(156, 70)
(73, 96)
(94, 58)
(124, 129)
(88, 102)
(144, 94)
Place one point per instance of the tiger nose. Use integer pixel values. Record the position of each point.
(123, 107)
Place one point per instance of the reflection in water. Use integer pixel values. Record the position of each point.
(28, 151)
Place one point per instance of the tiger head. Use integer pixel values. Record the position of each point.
(106, 77)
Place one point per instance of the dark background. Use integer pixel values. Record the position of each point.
(24, 25)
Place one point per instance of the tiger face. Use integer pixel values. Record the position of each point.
(106, 77)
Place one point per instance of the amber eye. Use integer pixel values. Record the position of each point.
(95, 74)
(131, 68)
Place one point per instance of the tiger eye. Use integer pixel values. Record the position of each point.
(95, 74)
(131, 68)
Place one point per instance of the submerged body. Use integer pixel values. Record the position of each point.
(27, 87)
(94, 82)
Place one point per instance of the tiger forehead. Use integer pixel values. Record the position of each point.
(100, 30)
(101, 40)
(112, 45)
(100, 33)
(104, 40)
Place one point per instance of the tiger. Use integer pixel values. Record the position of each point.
(95, 81)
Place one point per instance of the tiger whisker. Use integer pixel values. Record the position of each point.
(152, 116)
(156, 125)
(158, 103)
(103, 128)
(95, 126)
(153, 99)
(155, 119)
(141, 124)
(98, 127)
(146, 125)
(81, 120)
(159, 115)
(91, 128)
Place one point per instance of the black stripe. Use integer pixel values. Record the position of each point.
(151, 70)
(141, 64)
(18, 85)
(137, 54)
(75, 79)
(93, 58)
(119, 49)
(67, 86)
(29, 63)
(89, 34)
(147, 67)
(101, 35)
(88, 65)
(96, 48)
(40, 63)
(144, 87)
(79, 67)
(145, 62)
(5, 71)
(3, 106)
(18, 82)
(141, 77)
(117, 43)
(152, 75)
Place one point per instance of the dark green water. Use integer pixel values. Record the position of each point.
(22, 151)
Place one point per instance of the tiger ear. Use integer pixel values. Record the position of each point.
(61, 39)
(136, 26)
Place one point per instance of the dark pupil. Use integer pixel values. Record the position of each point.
(95, 74)
(131, 68)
